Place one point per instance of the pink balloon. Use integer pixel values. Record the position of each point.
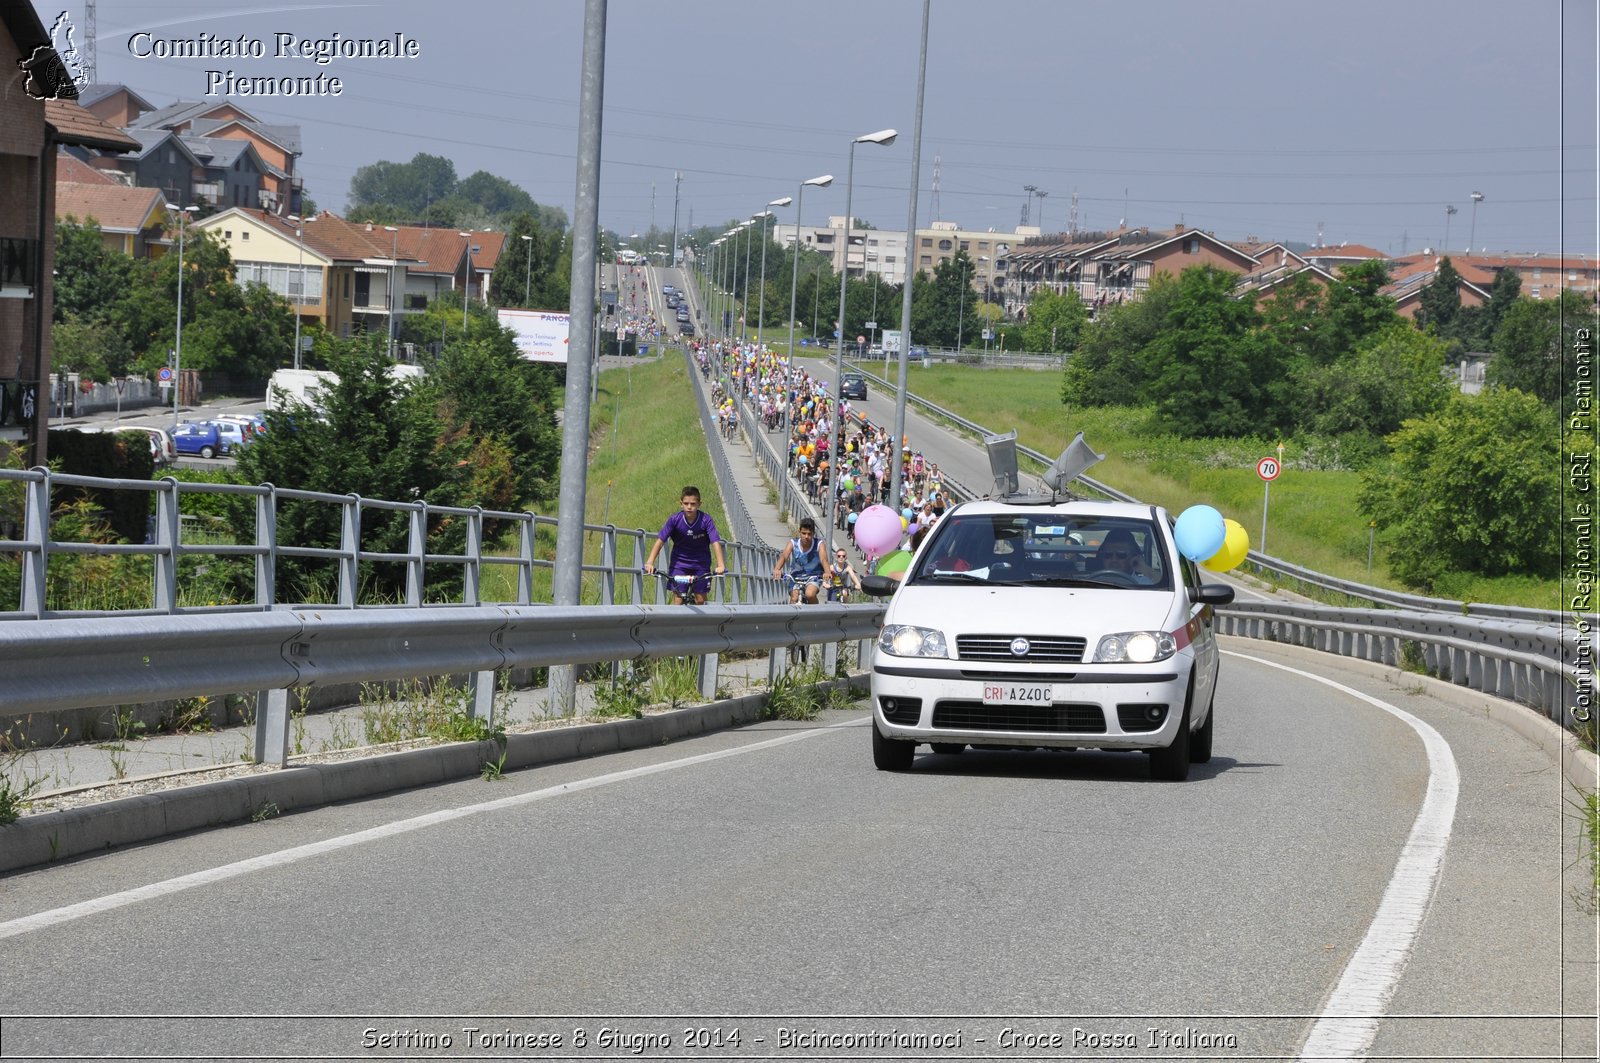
(878, 530)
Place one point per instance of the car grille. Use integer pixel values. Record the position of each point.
(1060, 718)
(1042, 649)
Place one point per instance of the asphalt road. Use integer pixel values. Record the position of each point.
(768, 878)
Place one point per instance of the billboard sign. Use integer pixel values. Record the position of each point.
(541, 334)
(891, 341)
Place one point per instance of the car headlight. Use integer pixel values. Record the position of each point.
(904, 640)
(1136, 646)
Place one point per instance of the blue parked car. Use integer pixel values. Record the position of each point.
(203, 439)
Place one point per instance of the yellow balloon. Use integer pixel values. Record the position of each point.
(1235, 545)
(904, 524)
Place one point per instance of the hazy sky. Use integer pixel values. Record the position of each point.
(1242, 117)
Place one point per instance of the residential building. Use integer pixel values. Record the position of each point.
(877, 251)
(1116, 267)
(277, 147)
(988, 250)
(32, 130)
(1544, 275)
(1408, 278)
(131, 220)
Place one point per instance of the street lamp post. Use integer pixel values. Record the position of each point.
(794, 272)
(1448, 211)
(744, 304)
(394, 258)
(466, 283)
(961, 305)
(527, 283)
(300, 279)
(177, 348)
(761, 300)
(1472, 233)
(883, 137)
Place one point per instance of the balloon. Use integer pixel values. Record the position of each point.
(891, 563)
(1235, 546)
(1199, 532)
(906, 513)
(913, 528)
(848, 483)
(904, 522)
(851, 519)
(877, 529)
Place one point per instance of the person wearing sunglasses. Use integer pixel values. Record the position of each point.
(844, 578)
(1120, 554)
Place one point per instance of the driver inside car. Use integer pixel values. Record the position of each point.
(1120, 554)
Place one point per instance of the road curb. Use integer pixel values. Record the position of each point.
(1581, 767)
(54, 836)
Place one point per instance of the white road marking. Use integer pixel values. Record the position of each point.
(111, 902)
(1349, 1021)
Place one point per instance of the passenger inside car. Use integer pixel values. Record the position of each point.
(1120, 554)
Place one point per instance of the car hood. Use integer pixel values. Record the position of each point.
(1085, 611)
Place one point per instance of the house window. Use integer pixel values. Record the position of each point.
(965, 244)
(363, 288)
(983, 245)
(1534, 291)
(927, 241)
(927, 260)
(227, 234)
(245, 235)
(945, 245)
(1536, 273)
(1191, 247)
(888, 260)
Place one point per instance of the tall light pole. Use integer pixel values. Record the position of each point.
(961, 304)
(1448, 211)
(300, 238)
(394, 260)
(1477, 197)
(794, 274)
(177, 349)
(466, 283)
(883, 137)
(527, 283)
(761, 300)
(744, 304)
(911, 237)
(982, 258)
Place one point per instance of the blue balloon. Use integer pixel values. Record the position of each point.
(1199, 532)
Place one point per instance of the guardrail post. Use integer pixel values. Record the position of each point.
(266, 548)
(608, 565)
(272, 727)
(36, 533)
(636, 576)
(349, 551)
(777, 663)
(416, 549)
(525, 540)
(472, 576)
(830, 658)
(169, 532)
(707, 674)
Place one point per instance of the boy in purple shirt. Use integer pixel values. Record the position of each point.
(694, 540)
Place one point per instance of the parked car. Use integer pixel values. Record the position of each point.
(235, 436)
(162, 451)
(202, 438)
(1027, 623)
(254, 424)
(853, 386)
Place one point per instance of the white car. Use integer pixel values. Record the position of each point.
(1029, 624)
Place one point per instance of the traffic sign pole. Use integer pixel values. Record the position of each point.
(1268, 469)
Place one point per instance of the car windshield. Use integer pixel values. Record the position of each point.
(1045, 549)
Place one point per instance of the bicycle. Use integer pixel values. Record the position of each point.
(798, 654)
(682, 587)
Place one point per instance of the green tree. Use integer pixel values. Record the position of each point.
(1529, 344)
(1352, 309)
(1470, 489)
(495, 195)
(91, 278)
(410, 186)
(94, 349)
(1105, 370)
(1441, 300)
(1475, 326)
(1210, 369)
(937, 302)
(1055, 323)
(1393, 377)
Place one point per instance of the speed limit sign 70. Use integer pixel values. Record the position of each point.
(1268, 469)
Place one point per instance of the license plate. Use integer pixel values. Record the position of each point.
(1018, 694)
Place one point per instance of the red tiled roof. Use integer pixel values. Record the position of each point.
(72, 124)
(115, 207)
(73, 170)
(1351, 251)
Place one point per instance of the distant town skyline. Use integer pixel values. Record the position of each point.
(1365, 122)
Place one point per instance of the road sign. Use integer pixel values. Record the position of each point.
(861, 339)
(1268, 469)
(164, 374)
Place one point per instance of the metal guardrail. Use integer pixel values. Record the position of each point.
(175, 562)
(1505, 662)
(1276, 566)
(740, 522)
